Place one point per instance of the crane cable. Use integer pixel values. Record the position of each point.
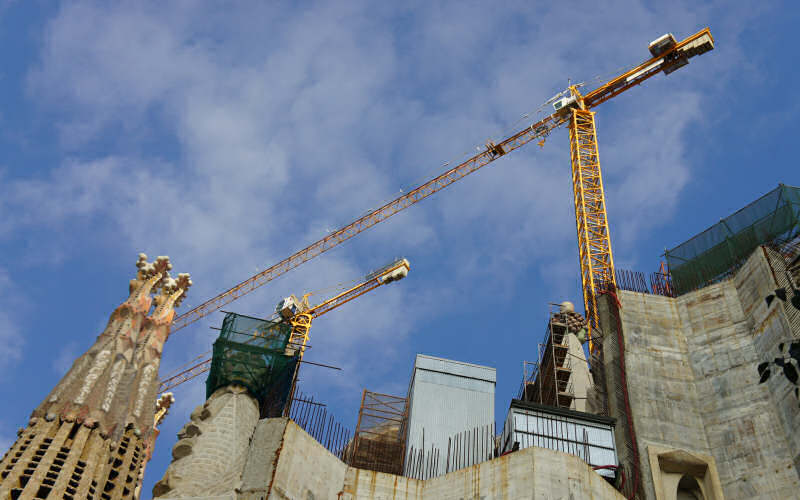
(503, 132)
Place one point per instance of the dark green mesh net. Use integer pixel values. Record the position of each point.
(251, 352)
(721, 249)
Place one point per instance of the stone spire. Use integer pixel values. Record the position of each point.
(87, 439)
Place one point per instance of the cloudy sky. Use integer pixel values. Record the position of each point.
(230, 135)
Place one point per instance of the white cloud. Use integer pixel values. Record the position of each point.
(287, 126)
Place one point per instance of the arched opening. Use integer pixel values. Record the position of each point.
(688, 489)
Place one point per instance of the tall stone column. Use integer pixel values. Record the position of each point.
(87, 439)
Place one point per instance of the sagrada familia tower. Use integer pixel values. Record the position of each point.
(92, 435)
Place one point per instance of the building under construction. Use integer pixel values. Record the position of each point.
(684, 389)
(674, 408)
(674, 403)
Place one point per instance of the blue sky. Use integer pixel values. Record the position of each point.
(230, 136)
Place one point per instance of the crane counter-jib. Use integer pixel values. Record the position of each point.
(668, 60)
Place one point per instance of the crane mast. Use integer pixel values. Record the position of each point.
(591, 219)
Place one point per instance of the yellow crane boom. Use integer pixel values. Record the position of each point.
(591, 220)
(300, 315)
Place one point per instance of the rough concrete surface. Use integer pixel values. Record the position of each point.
(693, 393)
(693, 385)
(305, 469)
(284, 462)
(259, 470)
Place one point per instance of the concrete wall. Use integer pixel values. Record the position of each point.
(305, 469)
(778, 327)
(535, 473)
(284, 462)
(693, 385)
(743, 426)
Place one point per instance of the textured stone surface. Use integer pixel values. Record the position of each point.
(693, 385)
(213, 447)
(91, 434)
(360, 483)
(782, 328)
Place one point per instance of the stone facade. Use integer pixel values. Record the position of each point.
(90, 437)
(210, 454)
(690, 364)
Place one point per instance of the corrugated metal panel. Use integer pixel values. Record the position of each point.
(457, 382)
(456, 368)
(445, 398)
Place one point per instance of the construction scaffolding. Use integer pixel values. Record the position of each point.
(548, 380)
(719, 250)
(379, 441)
(253, 353)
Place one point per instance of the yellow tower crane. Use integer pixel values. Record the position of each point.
(572, 109)
(299, 314)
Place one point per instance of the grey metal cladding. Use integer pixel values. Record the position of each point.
(459, 368)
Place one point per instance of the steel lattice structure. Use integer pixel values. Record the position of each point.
(591, 219)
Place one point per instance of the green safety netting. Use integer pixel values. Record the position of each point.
(251, 352)
(720, 249)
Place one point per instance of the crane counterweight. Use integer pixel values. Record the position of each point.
(662, 44)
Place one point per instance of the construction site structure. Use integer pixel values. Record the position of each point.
(253, 376)
(379, 442)
(296, 315)
(561, 377)
(571, 108)
(91, 436)
(585, 435)
(681, 411)
(88, 438)
(445, 398)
